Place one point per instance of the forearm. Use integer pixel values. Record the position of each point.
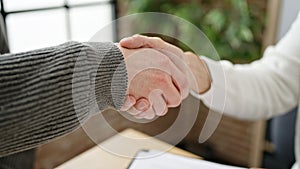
(258, 90)
(264, 88)
(47, 93)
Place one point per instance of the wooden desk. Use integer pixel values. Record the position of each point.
(97, 158)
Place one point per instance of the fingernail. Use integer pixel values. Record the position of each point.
(141, 106)
(128, 103)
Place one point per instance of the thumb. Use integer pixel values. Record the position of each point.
(132, 42)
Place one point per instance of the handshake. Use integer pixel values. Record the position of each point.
(160, 75)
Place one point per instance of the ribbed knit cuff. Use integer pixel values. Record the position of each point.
(111, 76)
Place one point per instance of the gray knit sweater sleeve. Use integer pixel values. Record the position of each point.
(46, 93)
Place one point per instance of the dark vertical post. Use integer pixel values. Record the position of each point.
(4, 14)
(68, 20)
(114, 5)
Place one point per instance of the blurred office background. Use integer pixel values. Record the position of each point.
(34, 24)
(239, 29)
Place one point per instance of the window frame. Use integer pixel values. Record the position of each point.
(67, 7)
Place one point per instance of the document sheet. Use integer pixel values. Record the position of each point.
(152, 159)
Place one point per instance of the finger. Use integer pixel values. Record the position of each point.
(188, 55)
(140, 41)
(158, 102)
(199, 79)
(180, 80)
(141, 106)
(149, 114)
(166, 65)
(180, 71)
(129, 102)
(175, 54)
(133, 111)
(132, 43)
(171, 95)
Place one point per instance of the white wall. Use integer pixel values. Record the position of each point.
(288, 12)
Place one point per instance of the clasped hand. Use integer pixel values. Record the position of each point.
(158, 76)
(156, 81)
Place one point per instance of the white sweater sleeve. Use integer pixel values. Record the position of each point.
(264, 88)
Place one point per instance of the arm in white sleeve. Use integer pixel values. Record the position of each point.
(262, 89)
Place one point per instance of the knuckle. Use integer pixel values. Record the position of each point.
(137, 37)
(161, 77)
(185, 83)
(163, 59)
(188, 53)
(164, 112)
(176, 101)
(158, 40)
(165, 62)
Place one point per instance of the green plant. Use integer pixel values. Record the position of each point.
(233, 26)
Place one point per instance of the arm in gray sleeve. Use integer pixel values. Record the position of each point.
(46, 93)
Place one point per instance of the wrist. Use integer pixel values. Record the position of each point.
(206, 77)
(200, 72)
(125, 51)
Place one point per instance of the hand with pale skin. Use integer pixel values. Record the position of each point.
(175, 54)
(199, 79)
(200, 72)
(198, 67)
(155, 83)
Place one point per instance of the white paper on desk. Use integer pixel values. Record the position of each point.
(150, 160)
